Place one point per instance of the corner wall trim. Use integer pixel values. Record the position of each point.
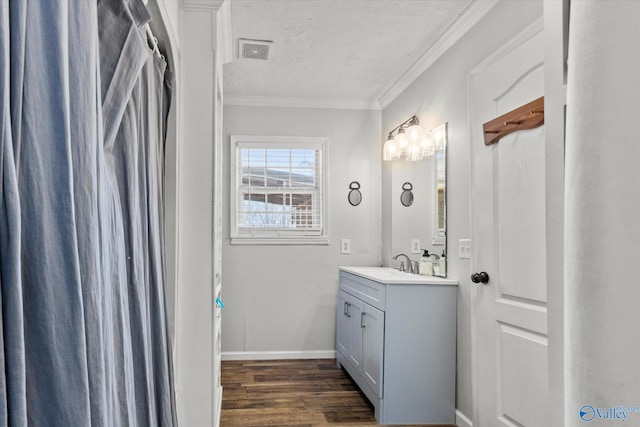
(275, 355)
(462, 420)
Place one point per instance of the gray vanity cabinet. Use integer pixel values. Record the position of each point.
(359, 338)
(397, 342)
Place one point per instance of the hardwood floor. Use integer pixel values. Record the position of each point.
(310, 393)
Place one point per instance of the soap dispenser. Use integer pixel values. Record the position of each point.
(443, 264)
(426, 265)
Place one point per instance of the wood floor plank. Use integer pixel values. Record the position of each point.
(283, 393)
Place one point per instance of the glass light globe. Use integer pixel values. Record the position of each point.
(390, 150)
(402, 142)
(414, 152)
(427, 146)
(415, 133)
(438, 140)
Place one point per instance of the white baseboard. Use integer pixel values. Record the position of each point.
(462, 420)
(274, 355)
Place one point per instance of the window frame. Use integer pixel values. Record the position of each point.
(277, 236)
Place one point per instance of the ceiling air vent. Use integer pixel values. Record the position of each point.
(254, 49)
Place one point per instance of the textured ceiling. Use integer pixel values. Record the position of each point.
(352, 50)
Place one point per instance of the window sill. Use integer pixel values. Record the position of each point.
(306, 240)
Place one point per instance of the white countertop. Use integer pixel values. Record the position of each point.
(390, 276)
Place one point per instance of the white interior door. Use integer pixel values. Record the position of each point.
(509, 313)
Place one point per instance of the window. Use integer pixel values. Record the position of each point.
(277, 190)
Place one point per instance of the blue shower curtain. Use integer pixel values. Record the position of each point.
(83, 337)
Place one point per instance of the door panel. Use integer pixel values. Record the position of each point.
(523, 390)
(355, 333)
(342, 324)
(509, 314)
(521, 211)
(373, 340)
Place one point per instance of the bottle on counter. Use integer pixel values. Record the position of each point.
(426, 265)
(443, 264)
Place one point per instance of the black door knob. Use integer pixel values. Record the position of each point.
(481, 277)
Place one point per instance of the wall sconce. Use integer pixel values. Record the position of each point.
(411, 142)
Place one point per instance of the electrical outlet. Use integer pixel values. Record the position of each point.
(464, 248)
(415, 246)
(345, 246)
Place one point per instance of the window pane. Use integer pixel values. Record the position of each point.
(253, 157)
(303, 158)
(277, 178)
(303, 177)
(280, 211)
(253, 162)
(303, 211)
(278, 158)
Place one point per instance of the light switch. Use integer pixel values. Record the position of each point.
(464, 248)
(345, 246)
(415, 246)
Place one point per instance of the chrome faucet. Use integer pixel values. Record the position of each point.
(410, 268)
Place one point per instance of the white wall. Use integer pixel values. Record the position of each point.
(282, 298)
(441, 94)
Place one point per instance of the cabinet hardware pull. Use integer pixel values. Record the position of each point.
(344, 311)
(348, 305)
(362, 325)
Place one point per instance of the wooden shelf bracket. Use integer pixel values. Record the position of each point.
(529, 116)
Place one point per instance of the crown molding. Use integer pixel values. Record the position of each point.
(273, 101)
(467, 20)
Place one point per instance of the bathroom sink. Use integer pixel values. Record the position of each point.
(388, 275)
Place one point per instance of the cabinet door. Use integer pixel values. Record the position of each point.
(372, 322)
(342, 324)
(355, 332)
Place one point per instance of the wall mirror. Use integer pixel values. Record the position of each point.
(406, 197)
(440, 223)
(354, 196)
(426, 218)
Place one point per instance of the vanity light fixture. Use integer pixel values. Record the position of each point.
(411, 142)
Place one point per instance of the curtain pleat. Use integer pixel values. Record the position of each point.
(13, 404)
(84, 334)
(155, 137)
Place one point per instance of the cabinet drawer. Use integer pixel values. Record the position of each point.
(373, 293)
